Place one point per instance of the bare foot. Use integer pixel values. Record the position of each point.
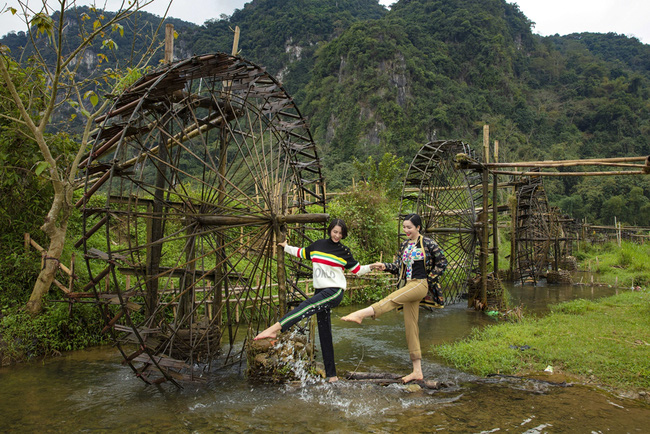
(353, 317)
(265, 334)
(271, 332)
(413, 376)
(333, 379)
(359, 315)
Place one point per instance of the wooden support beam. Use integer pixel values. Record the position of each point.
(613, 173)
(224, 220)
(564, 163)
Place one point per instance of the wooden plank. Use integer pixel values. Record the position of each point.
(112, 322)
(141, 330)
(163, 361)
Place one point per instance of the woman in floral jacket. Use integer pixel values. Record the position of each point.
(419, 263)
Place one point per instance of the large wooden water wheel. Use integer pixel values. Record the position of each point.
(197, 171)
(446, 197)
(533, 231)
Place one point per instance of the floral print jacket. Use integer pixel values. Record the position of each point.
(434, 263)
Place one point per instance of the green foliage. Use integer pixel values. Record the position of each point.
(25, 196)
(369, 293)
(282, 35)
(373, 81)
(386, 176)
(25, 191)
(17, 276)
(575, 307)
(371, 220)
(58, 329)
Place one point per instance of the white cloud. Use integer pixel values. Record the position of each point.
(626, 17)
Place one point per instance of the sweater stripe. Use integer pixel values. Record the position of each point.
(327, 258)
(326, 262)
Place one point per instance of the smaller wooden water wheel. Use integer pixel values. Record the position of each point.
(568, 229)
(198, 170)
(446, 197)
(533, 231)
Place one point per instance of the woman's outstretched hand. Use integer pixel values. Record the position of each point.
(283, 244)
(378, 266)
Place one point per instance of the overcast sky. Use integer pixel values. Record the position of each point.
(628, 17)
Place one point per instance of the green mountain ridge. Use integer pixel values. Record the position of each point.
(372, 81)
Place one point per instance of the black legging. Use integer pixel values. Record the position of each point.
(321, 304)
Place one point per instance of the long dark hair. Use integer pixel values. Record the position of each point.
(338, 222)
(415, 219)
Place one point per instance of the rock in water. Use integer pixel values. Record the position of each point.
(285, 359)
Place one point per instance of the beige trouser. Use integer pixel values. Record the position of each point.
(408, 297)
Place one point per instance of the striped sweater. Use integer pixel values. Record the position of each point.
(329, 260)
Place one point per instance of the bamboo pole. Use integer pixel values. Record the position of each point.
(486, 143)
(484, 239)
(513, 236)
(235, 42)
(71, 281)
(495, 228)
(29, 241)
(586, 161)
(169, 43)
(280, 231)
(619, 172)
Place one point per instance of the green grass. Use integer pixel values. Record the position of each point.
(623, 266)
(606, 340)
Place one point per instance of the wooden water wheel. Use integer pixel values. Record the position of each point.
(197, 171)
(446, 197)
(533, 231)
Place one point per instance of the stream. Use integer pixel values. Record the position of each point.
(90, 390)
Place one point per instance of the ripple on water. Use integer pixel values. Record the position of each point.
(91, 390)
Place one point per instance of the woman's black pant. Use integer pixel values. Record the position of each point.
(321, 304)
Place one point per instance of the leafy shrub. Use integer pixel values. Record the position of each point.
(57, 329)
(371, 220)
(18, 273)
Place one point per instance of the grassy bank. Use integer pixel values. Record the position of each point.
(605, 341)
(624, 266)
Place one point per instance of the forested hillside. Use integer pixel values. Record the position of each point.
(373, 81)
(283, 35)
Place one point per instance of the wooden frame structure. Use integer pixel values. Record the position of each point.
(197, 172)
(629, 165)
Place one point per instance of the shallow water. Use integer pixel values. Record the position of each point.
(91, 391)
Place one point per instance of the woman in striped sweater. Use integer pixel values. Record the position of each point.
(329, 260)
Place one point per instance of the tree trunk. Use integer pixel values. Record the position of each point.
(47, 274)
(55, 227)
